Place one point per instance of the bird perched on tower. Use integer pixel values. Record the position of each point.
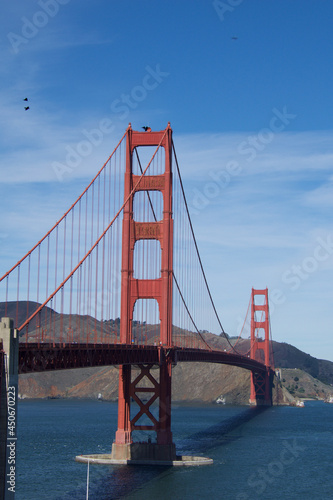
(147, 129)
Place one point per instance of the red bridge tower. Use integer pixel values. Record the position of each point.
(133, 289)
(260, 384)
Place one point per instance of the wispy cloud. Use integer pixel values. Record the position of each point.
(321, 196)
(261, 227)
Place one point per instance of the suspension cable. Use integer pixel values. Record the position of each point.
(65, 214)
(240, 334)
(96, 243)
(174, 277)
(197, 250)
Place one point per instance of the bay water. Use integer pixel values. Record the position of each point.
(274, 453)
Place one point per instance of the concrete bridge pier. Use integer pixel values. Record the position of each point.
(9, 347)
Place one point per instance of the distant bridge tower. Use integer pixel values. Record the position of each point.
(133, 289)
(261, 392)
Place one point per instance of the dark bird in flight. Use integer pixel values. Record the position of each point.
(26, 108)
(234, 38)
(25, 99)
(147, 129)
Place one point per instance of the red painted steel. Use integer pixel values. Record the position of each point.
(260, 383)
(124, 431)
(153, 391)
(36, 357)
(159, 289)
(164, 434)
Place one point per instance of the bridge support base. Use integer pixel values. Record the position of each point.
(149, 460)
(144, 452)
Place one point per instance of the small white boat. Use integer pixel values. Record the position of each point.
(298, 403)
(220, 400)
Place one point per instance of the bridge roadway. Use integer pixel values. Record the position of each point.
(38, 357)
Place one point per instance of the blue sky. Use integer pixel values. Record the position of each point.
(252, 129)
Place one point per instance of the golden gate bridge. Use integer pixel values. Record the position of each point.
(119, 280)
